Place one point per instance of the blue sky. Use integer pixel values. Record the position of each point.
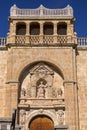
(79, 7)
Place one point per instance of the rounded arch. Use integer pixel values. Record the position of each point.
(27, 69)
(42, 112)
(34, 28)
(62, 28)
(48, 28)
(41, 122)
(20, 28)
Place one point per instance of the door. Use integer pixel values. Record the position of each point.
(41, 123)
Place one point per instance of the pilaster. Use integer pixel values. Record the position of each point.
(71, 104)
(70, 32)
(11, 97)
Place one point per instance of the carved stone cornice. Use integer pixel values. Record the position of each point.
(42, 45)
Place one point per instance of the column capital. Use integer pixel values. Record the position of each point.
(27, 22)
(41, 22)
(55, 22)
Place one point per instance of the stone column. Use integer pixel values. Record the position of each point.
(27, 28)
(41, 32)
(27, 32)
(55, 32)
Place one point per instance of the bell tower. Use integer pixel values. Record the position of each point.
(41, 68)
(41, 26)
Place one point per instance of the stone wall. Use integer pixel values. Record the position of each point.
(3, 74)
(21, 57)
(15, 60)
(82, 86)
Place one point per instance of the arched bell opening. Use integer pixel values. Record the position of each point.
(62, 28)
(48, 28)
(34, 28)
(20, 28)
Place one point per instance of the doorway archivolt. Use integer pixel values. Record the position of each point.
(41, 123)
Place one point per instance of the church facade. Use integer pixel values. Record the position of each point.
(43, 71)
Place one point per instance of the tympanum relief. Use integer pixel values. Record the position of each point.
(42, 82)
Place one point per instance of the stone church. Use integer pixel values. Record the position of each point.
(43, 71)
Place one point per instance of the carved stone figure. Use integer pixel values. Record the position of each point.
(41, 90)
(54, 93)
(60, 116)
(60, 92)
(22, 117)
(23, 92)
(28, 93)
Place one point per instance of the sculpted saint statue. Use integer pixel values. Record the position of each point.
(41, 90)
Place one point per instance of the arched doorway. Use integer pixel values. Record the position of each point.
(41, 123)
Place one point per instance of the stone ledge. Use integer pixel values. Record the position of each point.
(62, 127)
(3, 48)
(74, 45)
(6, 120)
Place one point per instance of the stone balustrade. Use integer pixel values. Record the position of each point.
(45, 39)
(41, 11)
(2, 41)
(82, 41)
(41, 39)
